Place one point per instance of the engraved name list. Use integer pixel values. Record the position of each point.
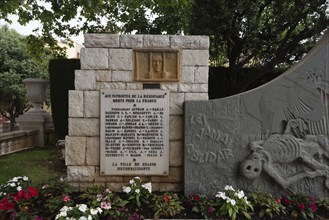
(134, 132)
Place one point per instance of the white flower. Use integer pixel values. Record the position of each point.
(15, 179)
(232, 201)
(136, 177)
(137, 190)
(99, 210)
(107, 190)
(240, 194)
(132, 181)
(246, 200)
(147, 186)
(12, 184)
(126, 189)
(228, 187)
(83, 218)
(25, 178)
(19, 188)
(82, 207)
(221, 195)
(93, 211)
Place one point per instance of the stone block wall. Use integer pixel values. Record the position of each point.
(107, 63)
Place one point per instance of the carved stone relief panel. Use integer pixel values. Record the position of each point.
(271, 139)
(157, 65)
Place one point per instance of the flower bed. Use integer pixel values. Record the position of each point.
(20, 199)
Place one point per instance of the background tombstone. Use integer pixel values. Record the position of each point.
(269, 139)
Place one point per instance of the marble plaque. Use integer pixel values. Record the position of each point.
(134, 133)
(157, 65)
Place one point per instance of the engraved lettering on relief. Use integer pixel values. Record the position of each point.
(204, 130)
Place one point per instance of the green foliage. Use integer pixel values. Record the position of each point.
(300, 206)
(112, 205)
(16, 65)
(231, 203)
(138, 193)
(202, 204)
(258, 33)
(166, 205)
(268, 205)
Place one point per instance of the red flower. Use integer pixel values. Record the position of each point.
(19, 195)
(6, 205)
(301, 205)
(278, 200)
(166, 198)
(313, 207)
(33, 191)
(210, 210)
(286, 201)
(38, 218)
(196, 198)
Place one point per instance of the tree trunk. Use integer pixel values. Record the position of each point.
(12, 123)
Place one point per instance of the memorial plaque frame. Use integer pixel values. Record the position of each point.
(134, 132)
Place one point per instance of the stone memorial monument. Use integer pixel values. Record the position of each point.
(126, 112)
(271, 139)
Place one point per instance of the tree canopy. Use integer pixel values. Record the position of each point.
(15, 65)
(263, 34)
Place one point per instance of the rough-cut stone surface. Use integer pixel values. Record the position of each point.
(187, 75)
(121, 59)
(175, 128)
(103, 76)
(190, 42)
(196, 96)
(75, 104)
(201, 74)
(83, 127)
(91, 104)
(94, 58)
(101, 40)
(134, 86)
(195, 57)
(171, 87)
(176, 101)
(122, 76)
(156, 41)
(75, 150)
(81, 173)
(92, 151)
(112, 86)
(176, 153)
(85, 80)
(175, 176)
(188, 87)
(268, 139)
(131, 41)
(108, 64)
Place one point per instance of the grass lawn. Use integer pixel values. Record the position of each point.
(39, 164)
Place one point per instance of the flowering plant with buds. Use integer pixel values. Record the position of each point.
(232, 202)
(111, 204)
(80, 211)
(166, 205)
(268, 205)
(300, 206)
(17, 198)
(137, 192)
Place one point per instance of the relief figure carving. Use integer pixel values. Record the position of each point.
(286, 148)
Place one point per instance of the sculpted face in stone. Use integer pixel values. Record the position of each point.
(252, 167)
(157, 62)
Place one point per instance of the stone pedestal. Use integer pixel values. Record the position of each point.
(36, 117)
